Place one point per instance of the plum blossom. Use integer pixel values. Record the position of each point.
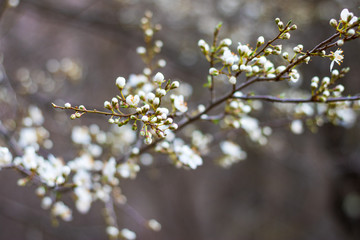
(5, 156)
(179, 103)
(228, 57)
(347, 17)
(127, 234)
(187, 156)
(232, 154)
(61, 210)
(336, 57)
(132, 100)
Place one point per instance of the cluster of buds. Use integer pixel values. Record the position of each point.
(327, 88)
(251, 61)
(154, 118)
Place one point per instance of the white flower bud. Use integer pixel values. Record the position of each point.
(350, 33)
(213, 72)
(156, 101)
(154, 225)
(280, 25)
(232, 80)
(141, 50)
(161, 92)
(150, 97)
(314, 85)
(226, 42)
(173, 126)
(333, 22)
(159, 78)
(286, 36)
(67, 105)
(127, 234)
(248, 69)
(340, 42)
(114, 101)
(175, 84)
(326, 93)
(280, 69)
(120, 82)
(339, 88)
(315, 79)
(162, 63)
(234, 68)
(298, 48)
(107, 105)
(260, 41)
(326, 81)
(255, 69)
(112, 231)
(335, 72)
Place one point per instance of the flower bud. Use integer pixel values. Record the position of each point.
(339, 88)
(173, 126)
(350, 33)
(159, 78)
(260, 41)
(293, 27)
(314, 85)
(333, 23)
(141, 50)
(285, 55)
(232, 80)
(120, 82)
(174, 85)
(213, 72)
(107, 105)
(286, 36)
(340, 42)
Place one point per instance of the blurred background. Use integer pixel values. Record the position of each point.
(298, 187)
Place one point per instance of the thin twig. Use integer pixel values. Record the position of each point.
(299, 100)
(93, 111)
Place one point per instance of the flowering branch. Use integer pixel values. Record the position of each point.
(151, 110)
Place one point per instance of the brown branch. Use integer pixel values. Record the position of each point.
(299, 100)
(93, 111)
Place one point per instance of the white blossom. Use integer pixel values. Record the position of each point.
(127, 234)
(159, 78)
(179, 103)
(132, 100)
(297, 126)
(61, 210)
(233, 154)
(336, 57)
(347, 16)
(112, 231)
(81, 135)
(154, 225)
(84, 199)
(109, 170)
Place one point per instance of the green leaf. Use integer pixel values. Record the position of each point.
(208, 84)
